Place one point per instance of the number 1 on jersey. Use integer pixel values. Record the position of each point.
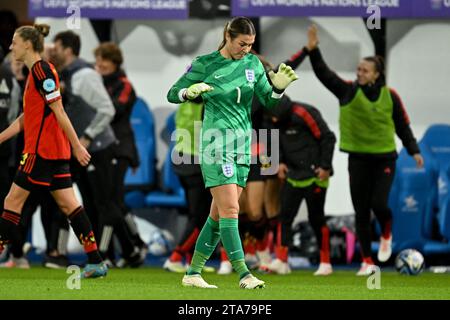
(238, 95)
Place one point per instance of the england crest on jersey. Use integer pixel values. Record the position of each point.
(228, 170)
(250, 75)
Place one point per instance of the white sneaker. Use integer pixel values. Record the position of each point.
(279, 267)
(251, 282)
(366, 269)
(177, 266)
(251, 260)
(197, 281)
(264, 257)
(325, 269)
(225, 268)
(20, 263)
(385, 249)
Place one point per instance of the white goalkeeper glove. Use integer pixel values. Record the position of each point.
(196, 90)
(283, 78)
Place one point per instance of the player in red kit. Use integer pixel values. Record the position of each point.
(48, 137)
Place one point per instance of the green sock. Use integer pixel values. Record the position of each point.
(232, 243)
(205, 246)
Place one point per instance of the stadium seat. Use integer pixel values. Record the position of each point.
(437, 140)
(413, 201)
(170, 123)
(443, 216)
(143, 179)
(172, 193)
(135, 199)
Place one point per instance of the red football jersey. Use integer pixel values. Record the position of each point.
(43, 135)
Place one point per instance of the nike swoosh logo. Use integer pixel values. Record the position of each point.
(208, 245)
(218, 76)
(234, 252)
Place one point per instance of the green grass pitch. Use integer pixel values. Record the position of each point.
(156, 284)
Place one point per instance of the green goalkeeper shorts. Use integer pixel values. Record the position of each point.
(229, 173)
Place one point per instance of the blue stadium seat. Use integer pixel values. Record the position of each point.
(172, 194)
(437, 140)
(413, 201)
(143, 179)
(135, 199)
(444, 202)
(170, 123)
(432, 166)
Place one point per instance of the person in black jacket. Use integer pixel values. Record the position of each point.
(9, 109)
(108, 62)
(306, 153)
(10, 95)
(370, 115)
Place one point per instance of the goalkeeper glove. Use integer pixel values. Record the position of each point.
(196, 90)
(283, 78)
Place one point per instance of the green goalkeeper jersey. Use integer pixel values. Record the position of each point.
(227, 115)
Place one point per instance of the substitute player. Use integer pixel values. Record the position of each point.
(370, 115)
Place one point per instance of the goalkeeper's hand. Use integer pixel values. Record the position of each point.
(283, 78)
(196, 90)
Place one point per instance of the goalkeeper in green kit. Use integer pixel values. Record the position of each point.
(226, 80)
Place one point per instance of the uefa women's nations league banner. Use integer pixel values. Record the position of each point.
(111, 9)
(341, 8)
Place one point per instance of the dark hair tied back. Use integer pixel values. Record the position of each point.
(378, 61)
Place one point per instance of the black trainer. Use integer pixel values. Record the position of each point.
(58, 262)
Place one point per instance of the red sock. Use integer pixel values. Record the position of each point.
(261, 245)
(176, 256)
(281, 252)
(249, 245)
(189, 243)
(325, 249)
(368, 260)
(185, 247)
(387, 230)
